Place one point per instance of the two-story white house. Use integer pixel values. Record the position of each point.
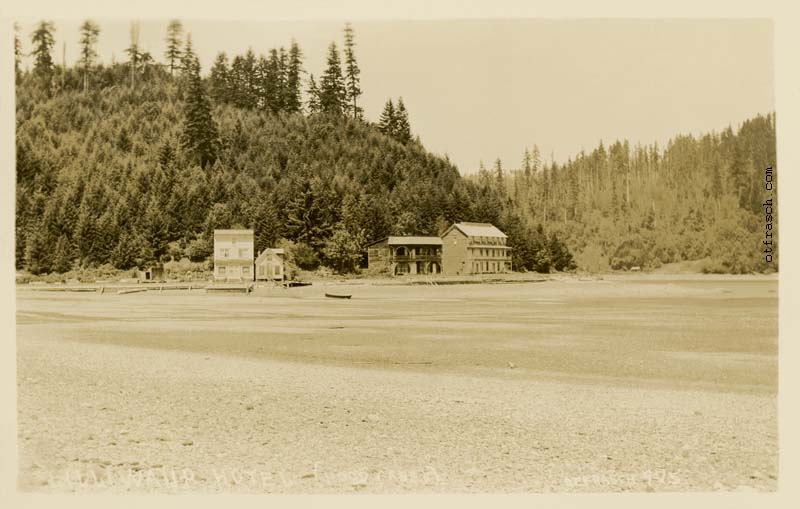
(234, 254)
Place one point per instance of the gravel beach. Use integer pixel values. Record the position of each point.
(560, 386)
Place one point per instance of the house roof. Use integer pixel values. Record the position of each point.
(477, 230)
(233, 232)
(410, 240)
(269, 251)
(402, 240)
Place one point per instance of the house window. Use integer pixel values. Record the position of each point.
(260, 270)
(221, 271)
(246, 270)
(277, 270)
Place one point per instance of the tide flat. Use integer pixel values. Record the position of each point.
(619, 385)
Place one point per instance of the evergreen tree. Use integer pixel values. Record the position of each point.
(526, 164)
(220, 79)
(89, 34)
(332, 90)
(17, 52)
(173, 40)
(62, 255)
(293, 96)
(271, 70)
(561, 257)
(267, 226)
(352, 73)
(536, 160)
(37, 253)
(402, 128)
(133, 51)
(237, 82)
(498, 175)
(388, 121)
(190, 65)
(42, 39)
(283, 69)
(250, 81)
(309, 212)
(314, 105)
(200, 138)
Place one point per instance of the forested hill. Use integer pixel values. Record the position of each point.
(103, 178)
(618, 207)
(138, 162)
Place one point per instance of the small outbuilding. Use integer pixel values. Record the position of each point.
(270, 265)
(151, 274)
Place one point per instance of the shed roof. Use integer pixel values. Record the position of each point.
(233, 232)
(477, 230)
(410, 240)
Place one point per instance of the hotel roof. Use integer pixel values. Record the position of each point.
(477, 230)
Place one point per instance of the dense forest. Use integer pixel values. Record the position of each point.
(620, 207)
(137, 162)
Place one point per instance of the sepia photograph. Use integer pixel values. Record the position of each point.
(346, 255)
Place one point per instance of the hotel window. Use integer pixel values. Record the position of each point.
(243, 253)
(246, 270)
(222, 271)
(224, 253)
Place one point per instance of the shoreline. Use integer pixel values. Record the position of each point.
(439, 280)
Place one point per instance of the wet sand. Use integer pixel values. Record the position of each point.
(616, 385)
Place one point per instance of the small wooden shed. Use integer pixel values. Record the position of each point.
(270, 265)
(151, 274)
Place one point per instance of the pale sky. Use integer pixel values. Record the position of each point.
(482, 89)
